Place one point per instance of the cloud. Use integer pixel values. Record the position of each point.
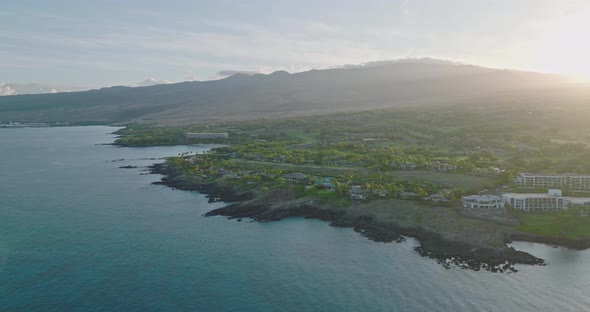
(231, 72)
(6, 89)
(407, 60)
(150, 82)
(39, 88)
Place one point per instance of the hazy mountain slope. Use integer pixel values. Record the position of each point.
(278, 94)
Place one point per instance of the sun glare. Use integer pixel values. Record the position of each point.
(565, 45)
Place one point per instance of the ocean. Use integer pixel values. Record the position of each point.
(78, 233)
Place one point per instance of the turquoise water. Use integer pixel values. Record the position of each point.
(79, 234)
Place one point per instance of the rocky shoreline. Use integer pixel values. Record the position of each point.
(431, 244)
(577, 244)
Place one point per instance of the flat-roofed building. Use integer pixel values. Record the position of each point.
(553, 200)
(578, 202)
(482, 201)
(574, 182)
(550, 201)
(542, 181)
(578, 182)
(294, 176)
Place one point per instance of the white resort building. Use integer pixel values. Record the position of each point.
(541, 181)
(482, 201)
(579, 182)
(550, 201)
(572, 181)
(553, 200)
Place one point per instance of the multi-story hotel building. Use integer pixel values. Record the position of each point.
(570, 181)
(550, 201)
(579, 182)
(546, 181)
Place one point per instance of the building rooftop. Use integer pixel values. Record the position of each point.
(578, 200)
(356, 188)
(529, 174)
(295, 175)
(482, 198)
(530, 195)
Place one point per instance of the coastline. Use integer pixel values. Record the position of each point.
(281, 204)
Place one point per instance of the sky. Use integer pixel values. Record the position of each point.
(128, 42)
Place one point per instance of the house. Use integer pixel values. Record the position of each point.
(294, 176)
(490, 171)
(326, 184)
(257, 157)
(441, 166)
(404, 166)
(408, 195)
(332, 161)
(357, 192)
(231, 174)
(482, 201)
(380, 192)
(281, 158)
(446, 192)
(437, 198)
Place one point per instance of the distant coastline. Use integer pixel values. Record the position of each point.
(13, 124)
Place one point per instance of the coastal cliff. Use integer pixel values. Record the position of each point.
(471, 252)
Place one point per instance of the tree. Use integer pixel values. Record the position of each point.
(421, 192)
(348, 177)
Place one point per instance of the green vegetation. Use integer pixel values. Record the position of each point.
(467, 148)
(568, 224)
(390, 153)
(461, 139)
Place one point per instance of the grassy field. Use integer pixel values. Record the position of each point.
(467, 182)
(569, 225)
